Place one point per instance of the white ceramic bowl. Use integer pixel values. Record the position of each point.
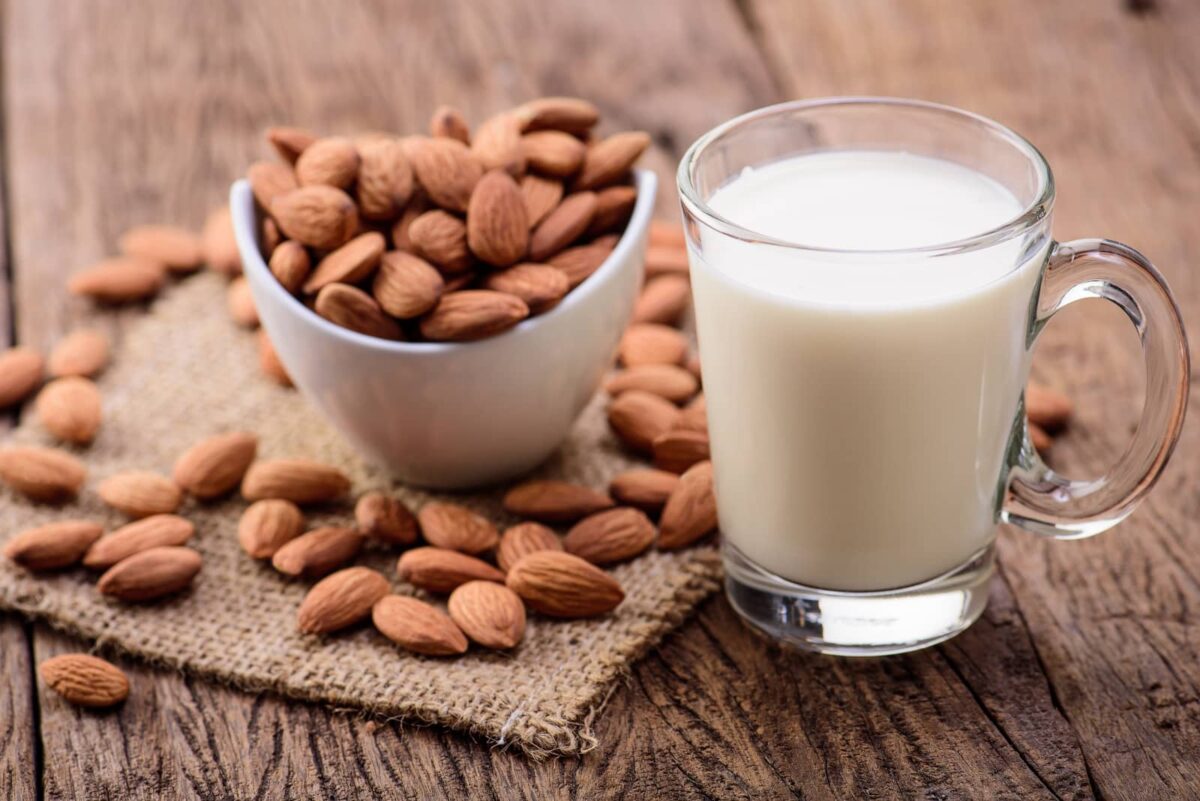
(455, 415)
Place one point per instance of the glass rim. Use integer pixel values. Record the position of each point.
(1029, 216)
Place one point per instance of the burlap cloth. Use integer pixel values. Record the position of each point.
(185, 372)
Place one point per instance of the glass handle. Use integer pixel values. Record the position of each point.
(1042, 501)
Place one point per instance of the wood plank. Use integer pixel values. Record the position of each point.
(18, 733)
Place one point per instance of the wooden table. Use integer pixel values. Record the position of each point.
(1082, 680)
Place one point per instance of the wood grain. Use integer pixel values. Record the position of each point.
(18, 733)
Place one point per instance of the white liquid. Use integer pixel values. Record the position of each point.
(860, 405)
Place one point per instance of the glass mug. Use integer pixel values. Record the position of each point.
(865, 403)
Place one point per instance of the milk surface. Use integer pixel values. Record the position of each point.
(860, 403)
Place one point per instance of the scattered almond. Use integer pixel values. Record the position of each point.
(541, 196)
(317, 552)
(417, 626)
(385, 179)
(140, 493)
(691, 511)
(269, 180)
(665, 380)
(220, 243)
(289, 142)
(20, 374)
(554, 501)
(298, 480)
(240, 301)
(663, 300)
(83, 352)
(69, 408)
(522, 539)
(54, 545)
(291, 265)
(488, 613)
(180, 250)
(42, 474)
(332, 161)
(680, 448)
(123, 279)
(667, 234)
(441, 570)
(553, 153)
(472, 314)
(645, 488)
(266, 526)
(215, 466)
(539, 285)
(318, 216)
(609, 161)
(447, 170)
(666, 261)
(639, 418)
(564, 585)
(448, 121)
(497, 144)
(497, 228)
(1048, 408)
(350, 307)
(269, 361)
(85, 680)
(652, 343)
(384, 518)
(610, 536)
(341, 599)
(142, 535)
(448, 525)
(348, 264)
(569, 114)
(151, 574)
(561, 227)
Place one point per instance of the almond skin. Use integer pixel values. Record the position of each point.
(85, 680)
(614, 207)
(298, 480)
(384, 518)
(610, 536)
(695, 415)
(663, 300)
(448, 525)
(124, 279)
(650, 343)
(440, 570)
(665, 380)
(564, 585)
(609, 161)
(385, 179)
(645, 488)
(665, 261)
(449, 122)
(497, 144)
(691, 511)
(553, 153)
(54, 545)
(319, 216)
(406, 286)
(1047, 408)
(679, 449)
(446, 169)
(441, 238)
(554, 501)
(269, 361)
(140, 493)
(350, 307)
(332, 161)
(266, 526)
(417, 626)
(639, 418)
(240, 301)
(497, 228)
(341, 599)
(541, 195)
(291, 265)
(289, 142)
(539, 285)
(220, 244)
(142, 535)
(579, 262)
(42, 474)
(561, 227)
(83, 353)
(569, 114)
(472, 314)
(20, 374)
(349, 264)
(215, 466)
(317, 552)
(522, 539)
(269, 237)
(269, 180)
(490, 614)
(171, 245)
(151, 574)
(69, 408)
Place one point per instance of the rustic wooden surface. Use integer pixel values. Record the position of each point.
(1082, 680)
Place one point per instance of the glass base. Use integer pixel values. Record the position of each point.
(858, 623)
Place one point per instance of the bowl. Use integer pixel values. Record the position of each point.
(454, 415)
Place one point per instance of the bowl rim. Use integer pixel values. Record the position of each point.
(241, 204)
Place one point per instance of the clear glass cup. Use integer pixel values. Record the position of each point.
(863, 457)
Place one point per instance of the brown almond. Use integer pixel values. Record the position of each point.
(569, 114)
(564, 585)
(171, 245)
(561, 227)
(446, 169)
(579, 262)
(240, 302)
(695, 415)
(691, 511)
(610, 536)
(69, 408)
(614, 207)
(400, 229)
(417, 626)
(269, 180)
(385, 179)
(384, 518)
(291, 265)
(268, 361)
(539, 285)
(1047, 407)
(522, 539)
(639, 418)
(341, 599)
(54, 545)
(665, 380)
(269, 236)
(541, 195)
(553, 153)
(140, 493)
(441, 570)
(266, 526)
(215, 466)
(665, 261)
(85, 680)
(319, 216)
(123, 279)
(441, 238)
(298, 480)
(332, 161)
(289, 142)
(406, 286)
(151, 574)
(20, 374)
(609, 161)
(42, 474)
(679, 449)
(449, 122)
(142, 535)
(497, 228)
(348, 264)
(83, 353)
(220, 243)
(490, 614)
(1040, 438)
(645, 488)
(350, 307)
(663, 300)
(497, 144)
(472, 314)
(448, 525)
(317, 552)
(652, 343)
(554, 501)
(667, 233)
(458, 283)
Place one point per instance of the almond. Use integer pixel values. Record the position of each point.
(124, 279)
(69, 408)
(1040, 438)
(269, 361)
(385, 179)
(176, 247)
(666, 261)
(579, 262)
(448, 525)
(240, 301)
(458, 283)
(441, 570)
(639, 418)
(554, 501)
(539, 285)
(610, 160)
(497, 144)
(663, 300)
(318, 216)
(291, 265)
(220, 243)
(266, 526)
(557, 113)
(441, 238)
(564, 585)
(679, 449)
(85, 680)
(151, 574)
(497, 228)
(553, 153)
(341, 599)
(317, 552)
(614, 207)
(406, 286)
(610, 536)
(691, 511)
(645, 488)
(289, 142)
(417, 626)
(269, 237)
(332, 161)
(400, 229)
(348, 264)
(298, 480)
(446, 169)
(214, 466)
(150, 532)
(1048, 408)
(522, 539)
(140, 493)
(695, 415)
(651, 343)
(42, 474)
(489, 613)
(382, 517)
(665, 380)
(472, 314)
(269, 180)
(83, 352)
(54, 545)
(561, 227)
(693, 366)
(541, 196)
(352, 308)
(448, 121)
(20, 374)
(667, 233)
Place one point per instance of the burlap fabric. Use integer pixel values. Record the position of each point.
(185, 372)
